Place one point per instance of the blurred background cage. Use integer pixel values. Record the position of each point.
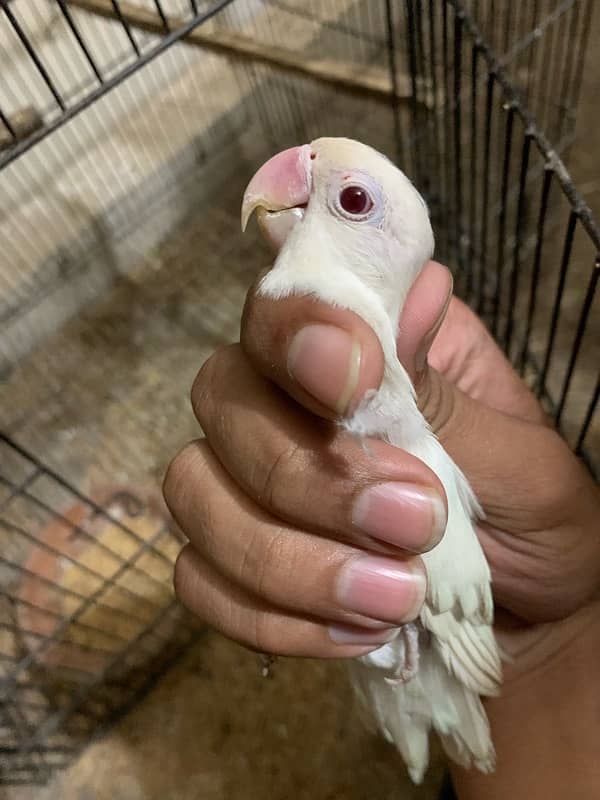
(128, 129)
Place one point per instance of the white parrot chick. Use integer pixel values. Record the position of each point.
(354, 232)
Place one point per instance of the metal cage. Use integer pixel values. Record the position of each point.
(120, 123)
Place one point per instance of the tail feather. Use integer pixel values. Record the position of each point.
(397, 717)
(433, 699)
(458, 717)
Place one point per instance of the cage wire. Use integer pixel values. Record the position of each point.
(127, 133)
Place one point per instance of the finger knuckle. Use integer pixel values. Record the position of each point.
(252, 320)
(263, 560)
(266, 636)
(186, 464)
(175, 474)
(203, 388)
(285, 464)
(181, 575)
(208, 382)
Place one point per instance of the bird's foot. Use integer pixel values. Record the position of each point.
(408, 639)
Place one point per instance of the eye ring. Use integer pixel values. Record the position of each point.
(371, 213)
(354, 201)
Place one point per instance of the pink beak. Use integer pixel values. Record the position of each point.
(280, 191)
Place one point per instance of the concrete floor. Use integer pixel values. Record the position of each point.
(215, 729)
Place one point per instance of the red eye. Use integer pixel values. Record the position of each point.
(355, 200)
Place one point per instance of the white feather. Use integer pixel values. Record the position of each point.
(369, 268)
(459, 659)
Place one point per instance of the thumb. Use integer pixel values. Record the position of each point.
(522, 472)
(479, 409)
(422, 316)
(481, 437)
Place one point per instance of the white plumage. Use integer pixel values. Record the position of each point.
(367, 264)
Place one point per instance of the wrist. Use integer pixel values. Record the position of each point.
(538, 652)
(546, 723)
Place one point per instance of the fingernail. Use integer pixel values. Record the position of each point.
(402, 514)
(427, 341)
(325, 361)
(345, 634)
(381, 588)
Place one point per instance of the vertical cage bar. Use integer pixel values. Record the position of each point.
(473, 171)
(458, 177)
(162, 15)
(537, 262)
(581, 326)
(126, 26)
(566, 256)
(447, 133)
(485, 177)
(438, 172)
(393, 68)
(78, 37)
(34, 57)
(425, 88)
(581, 50)
(412, 71)
(570, 52)
(6, 122)
(502, 221)
(516, 263)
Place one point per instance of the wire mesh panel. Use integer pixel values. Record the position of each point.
(523, 245)
(60, 61)
(541, 47)
(88, 620)
(123, 268)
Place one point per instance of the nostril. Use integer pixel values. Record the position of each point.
(313, 156)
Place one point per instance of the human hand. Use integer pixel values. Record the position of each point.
(302, 543)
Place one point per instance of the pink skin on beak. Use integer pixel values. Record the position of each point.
(279, 190)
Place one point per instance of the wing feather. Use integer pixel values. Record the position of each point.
(468, 650)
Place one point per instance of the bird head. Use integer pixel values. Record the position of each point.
(348, 225)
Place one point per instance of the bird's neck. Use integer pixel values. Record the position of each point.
(360, 274)
(349, 275)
